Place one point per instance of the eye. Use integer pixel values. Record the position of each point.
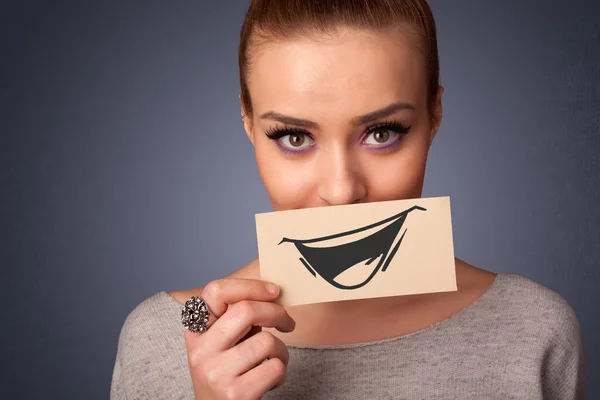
(385, 135)
(290, 140)
(380, 136)
(296, 141)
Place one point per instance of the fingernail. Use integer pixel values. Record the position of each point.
(272, 288)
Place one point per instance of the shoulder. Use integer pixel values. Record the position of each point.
(519, 311)
(150, 320)
(538, 320)
(535, 329)
(154, 321)
(151, 355)
(549, 331)
(528, 300)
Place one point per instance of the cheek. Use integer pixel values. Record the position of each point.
(397, 177)
(289, 184)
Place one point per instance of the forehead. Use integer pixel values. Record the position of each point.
(349, 74)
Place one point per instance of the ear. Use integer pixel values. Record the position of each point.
(246, 121)
(437, 114)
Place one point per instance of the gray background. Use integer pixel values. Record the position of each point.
(125, 170)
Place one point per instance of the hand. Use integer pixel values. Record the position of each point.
(228, 360)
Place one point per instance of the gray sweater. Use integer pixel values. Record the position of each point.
(519, 340)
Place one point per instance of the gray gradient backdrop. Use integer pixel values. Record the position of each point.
(125, 170)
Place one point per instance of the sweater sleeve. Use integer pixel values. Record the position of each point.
(117, 389)
(151, 360)
(120, 384)
(563, 370)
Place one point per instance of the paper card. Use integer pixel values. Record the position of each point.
(358, 251)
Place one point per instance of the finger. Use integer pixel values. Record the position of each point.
(221, 293)
(251, 352)
(237, 322)
(259, 380)
(253, 331)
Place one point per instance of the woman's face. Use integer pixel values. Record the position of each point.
(341, 120)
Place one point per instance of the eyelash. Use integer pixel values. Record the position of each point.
(276, 133)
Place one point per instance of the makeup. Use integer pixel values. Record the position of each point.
(396, 130)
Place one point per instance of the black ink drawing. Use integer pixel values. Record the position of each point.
(331, 261)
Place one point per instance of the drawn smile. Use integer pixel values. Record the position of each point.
(333, 257)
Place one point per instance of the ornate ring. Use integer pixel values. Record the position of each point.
(195, 314)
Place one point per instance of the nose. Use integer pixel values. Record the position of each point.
(340, 178)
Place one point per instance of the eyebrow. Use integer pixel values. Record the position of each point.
(360, 120)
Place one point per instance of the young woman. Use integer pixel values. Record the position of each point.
(341, 101)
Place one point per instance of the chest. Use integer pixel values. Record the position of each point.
(451, 370)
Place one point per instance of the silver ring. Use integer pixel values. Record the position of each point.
(195, 314)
